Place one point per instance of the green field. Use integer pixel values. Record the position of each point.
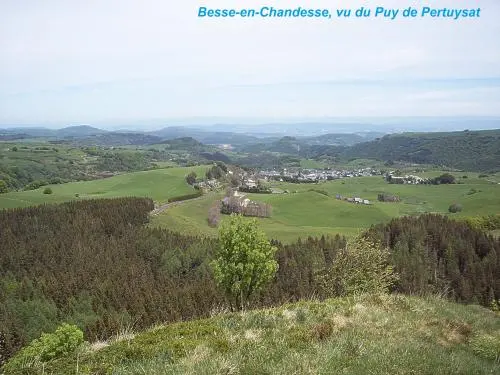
(159, 184)
(303, 213)
(367, 334)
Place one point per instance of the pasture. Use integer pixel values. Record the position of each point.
(158, 184)
(313, 210)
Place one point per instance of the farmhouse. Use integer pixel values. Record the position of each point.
(356, 200)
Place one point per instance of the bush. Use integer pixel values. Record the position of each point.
(455, 207)
(191, 178)
(47, 190)
(185, 197)
(35, 185)
(323, 192)
(362, 267)
(65, 340)
(445, 178)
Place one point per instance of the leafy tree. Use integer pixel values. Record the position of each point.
(445, 178)
(244, 262)
(455, 207)
(222, 166)
(191, 178)
(47, 190)
(216, 172)
(3, 187)
(362, 267)
(14, 149)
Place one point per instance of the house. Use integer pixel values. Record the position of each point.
(250, 183)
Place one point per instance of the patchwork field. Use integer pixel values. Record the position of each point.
(307, 210)
(159, 184)
(312, 209)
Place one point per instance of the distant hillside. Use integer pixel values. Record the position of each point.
(470, 150)
(287, 145)
(305, 145)
(188, 143)
(70, 131)
(343, 139)
(78, 131)
(116, 139)
(204, 136)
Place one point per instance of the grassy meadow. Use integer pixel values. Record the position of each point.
(370, 334)
(306, 212)
(159, 184)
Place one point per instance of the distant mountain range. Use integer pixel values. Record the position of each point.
(85, 134)
(471, 150)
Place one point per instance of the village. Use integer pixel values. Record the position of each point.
(315, 175)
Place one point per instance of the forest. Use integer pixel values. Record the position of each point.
(70, 263)
(467, 150)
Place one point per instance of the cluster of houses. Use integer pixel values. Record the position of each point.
(356, 200)
(238, 203)
(315, 175)
(208, 185)
(407, 179)
(237, 198)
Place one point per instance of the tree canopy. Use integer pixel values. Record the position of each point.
(244, 262)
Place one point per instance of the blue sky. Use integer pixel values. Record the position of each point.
(69, 61)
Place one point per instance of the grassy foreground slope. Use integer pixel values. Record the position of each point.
(371, 334)
(159, 184)
(306, 212)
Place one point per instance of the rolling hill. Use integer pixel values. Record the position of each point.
(468, 150)
(159, 184)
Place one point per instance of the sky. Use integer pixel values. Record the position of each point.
(110, 61)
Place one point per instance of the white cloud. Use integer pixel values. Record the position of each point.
(66, 60)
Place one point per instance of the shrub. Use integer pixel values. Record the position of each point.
(3, 187)
(445, 178)
(47, 190)
(362, 267)
(323, 192)
(65, 340)
(35, 185)
(455, 207)
(185, 197)
(191, 178)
